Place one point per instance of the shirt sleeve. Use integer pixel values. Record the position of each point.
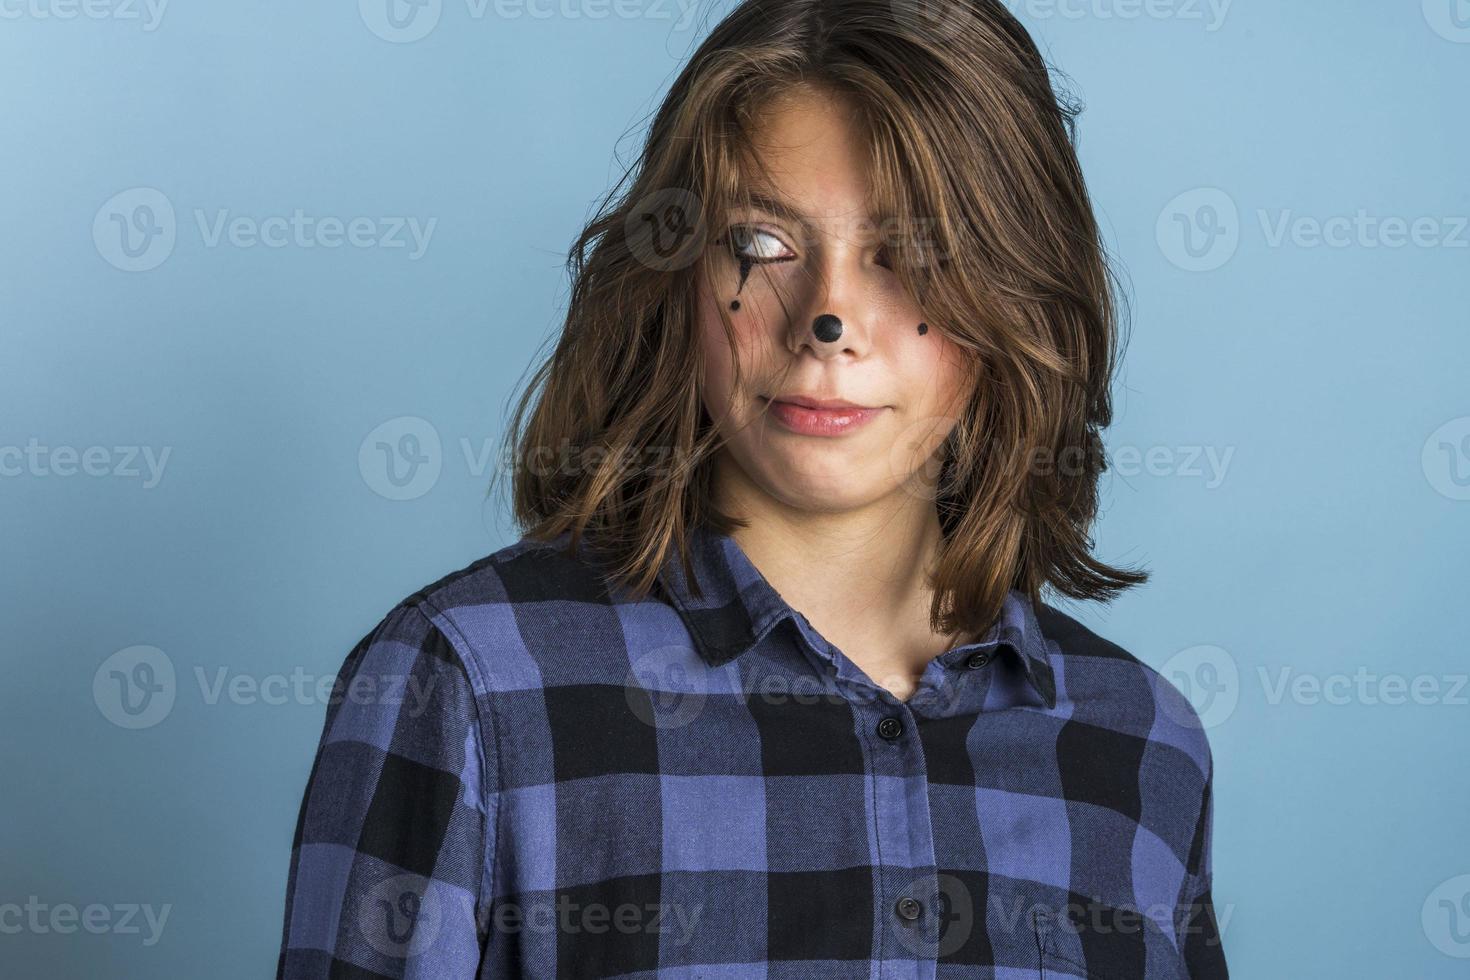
(390, 874)
(1204, 954)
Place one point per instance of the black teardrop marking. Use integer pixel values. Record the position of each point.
(923, 329)
(827, 328)
(746, 262)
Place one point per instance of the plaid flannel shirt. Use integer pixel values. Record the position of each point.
(524, 773)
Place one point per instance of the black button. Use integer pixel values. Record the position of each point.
(890, 728)
(977, 660)
(908, 908)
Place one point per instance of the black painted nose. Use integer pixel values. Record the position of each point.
(827, 328)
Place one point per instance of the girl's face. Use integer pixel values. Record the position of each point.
(827, 262)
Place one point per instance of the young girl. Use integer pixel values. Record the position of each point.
(767, 688)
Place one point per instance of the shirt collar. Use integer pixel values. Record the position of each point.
(737, 607)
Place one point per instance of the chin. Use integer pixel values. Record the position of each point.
(823, 491)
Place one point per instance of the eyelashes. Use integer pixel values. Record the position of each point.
(750, 244)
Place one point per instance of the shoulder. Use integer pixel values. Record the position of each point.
(502, 614)
(449, 647)
(527, 570)
(1108, 684)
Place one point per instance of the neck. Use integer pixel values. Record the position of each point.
(859, 575)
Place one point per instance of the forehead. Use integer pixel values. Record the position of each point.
(810, 159)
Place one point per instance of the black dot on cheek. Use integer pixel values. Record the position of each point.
(923, 329)
(734, 304)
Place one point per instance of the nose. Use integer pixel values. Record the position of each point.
(831, 327)
(827, 328)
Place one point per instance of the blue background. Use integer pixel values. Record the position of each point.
(1330, 378)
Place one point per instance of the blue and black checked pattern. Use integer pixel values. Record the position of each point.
(540, 777)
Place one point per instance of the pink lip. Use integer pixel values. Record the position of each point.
(821, 421)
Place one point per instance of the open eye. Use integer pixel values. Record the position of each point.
(750, 242)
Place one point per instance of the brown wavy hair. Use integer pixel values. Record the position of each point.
(962, 127)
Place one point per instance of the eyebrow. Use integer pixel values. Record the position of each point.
(775, 205)
(783, 209)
